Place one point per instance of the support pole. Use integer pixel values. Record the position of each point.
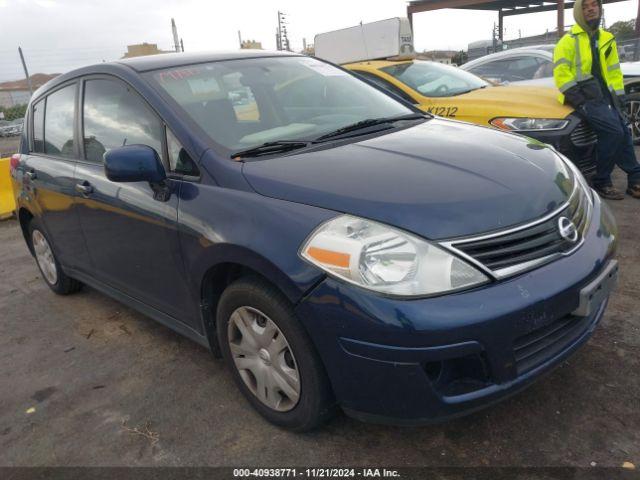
(500, 26)
(560, 18)
(26, 72)
(636, 49)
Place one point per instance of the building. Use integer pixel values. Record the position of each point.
(440, 56)
(17, 92)
(251, 45)
(144, 49)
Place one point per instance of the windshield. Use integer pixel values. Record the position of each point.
(245, 103)
(433, 79)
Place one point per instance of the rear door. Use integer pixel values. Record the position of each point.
(49, 173)
(131, 233)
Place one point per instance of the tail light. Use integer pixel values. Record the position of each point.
(14, 162)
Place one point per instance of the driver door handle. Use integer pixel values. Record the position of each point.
(84, 188)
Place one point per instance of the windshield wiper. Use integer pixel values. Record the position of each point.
(369, 122)
(267, 148)
(468, 91)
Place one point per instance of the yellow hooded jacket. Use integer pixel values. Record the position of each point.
(572, 57)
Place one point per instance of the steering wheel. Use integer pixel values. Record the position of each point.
(441, 90)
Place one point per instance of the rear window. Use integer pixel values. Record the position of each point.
(58, 122)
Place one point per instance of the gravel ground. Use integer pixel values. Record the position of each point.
(87, 381)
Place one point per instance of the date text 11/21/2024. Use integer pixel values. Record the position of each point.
(315, 473)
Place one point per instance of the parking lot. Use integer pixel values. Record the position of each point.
(87, 381)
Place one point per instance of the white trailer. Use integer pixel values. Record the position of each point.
(388, 39)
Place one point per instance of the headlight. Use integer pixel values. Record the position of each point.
(385, 259)
(516, 124)
(577, 174)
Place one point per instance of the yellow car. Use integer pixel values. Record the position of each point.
(451, 92)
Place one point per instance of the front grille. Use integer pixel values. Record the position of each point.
(583, 135)
(536, 347)
(528, 246)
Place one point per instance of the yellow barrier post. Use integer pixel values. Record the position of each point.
(7, 202)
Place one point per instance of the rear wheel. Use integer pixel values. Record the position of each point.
(271, 357)
(49, 266)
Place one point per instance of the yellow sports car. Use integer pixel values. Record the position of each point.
(451, 92)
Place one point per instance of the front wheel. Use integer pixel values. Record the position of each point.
(633, 113)
(49, 266)
(271, 357)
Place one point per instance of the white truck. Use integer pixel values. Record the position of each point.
(388, 39)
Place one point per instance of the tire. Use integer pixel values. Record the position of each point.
(50, 268)
(632, 108)
(252, 303)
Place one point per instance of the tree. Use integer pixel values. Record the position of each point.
(623, 30)
(11, 113)
(459, 58)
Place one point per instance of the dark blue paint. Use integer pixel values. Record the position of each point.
(133, 163)
(438, 179)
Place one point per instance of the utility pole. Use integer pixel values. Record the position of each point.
(26, 72)
(181, 45)
(282, 39)
(494, 40)
(239, 39)
(174, 30)
(636, 50)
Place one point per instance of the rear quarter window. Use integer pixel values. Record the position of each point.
(38, 127)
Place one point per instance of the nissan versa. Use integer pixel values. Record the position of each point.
(339, 248)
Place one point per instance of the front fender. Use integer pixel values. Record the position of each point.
(220, 225)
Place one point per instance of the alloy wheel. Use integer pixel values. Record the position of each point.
(264, 359)
(633, 110)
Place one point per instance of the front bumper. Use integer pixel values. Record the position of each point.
(576, 141)
(419, 361)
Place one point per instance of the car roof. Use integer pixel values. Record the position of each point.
(169, 60)
(156, 62)
(377, 64)
(542, 50)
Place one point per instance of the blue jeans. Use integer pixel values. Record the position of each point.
(615, 145)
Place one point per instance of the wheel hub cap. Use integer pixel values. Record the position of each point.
(44, 257)
(264, 356)
(264, 359)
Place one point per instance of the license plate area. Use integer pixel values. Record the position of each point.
(593, 294)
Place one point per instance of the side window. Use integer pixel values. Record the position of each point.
(545, 69)
(179, 160)
(522, 68)
(38, 127)
(114, 116)
(58, 122)
(496, 70)
(385, 85)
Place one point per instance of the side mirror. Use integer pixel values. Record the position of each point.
(133, 163)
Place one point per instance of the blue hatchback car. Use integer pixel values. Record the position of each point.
(335, 245)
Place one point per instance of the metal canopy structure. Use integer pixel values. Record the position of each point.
(504, 8)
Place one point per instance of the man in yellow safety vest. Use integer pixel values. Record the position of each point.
(587, 73)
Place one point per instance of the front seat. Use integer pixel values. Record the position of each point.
(218, 118)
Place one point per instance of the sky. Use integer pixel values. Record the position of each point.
(59, 35)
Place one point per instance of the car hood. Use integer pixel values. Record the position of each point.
(439, 179)
(517, 101)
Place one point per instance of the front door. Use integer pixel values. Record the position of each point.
(132, 237)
